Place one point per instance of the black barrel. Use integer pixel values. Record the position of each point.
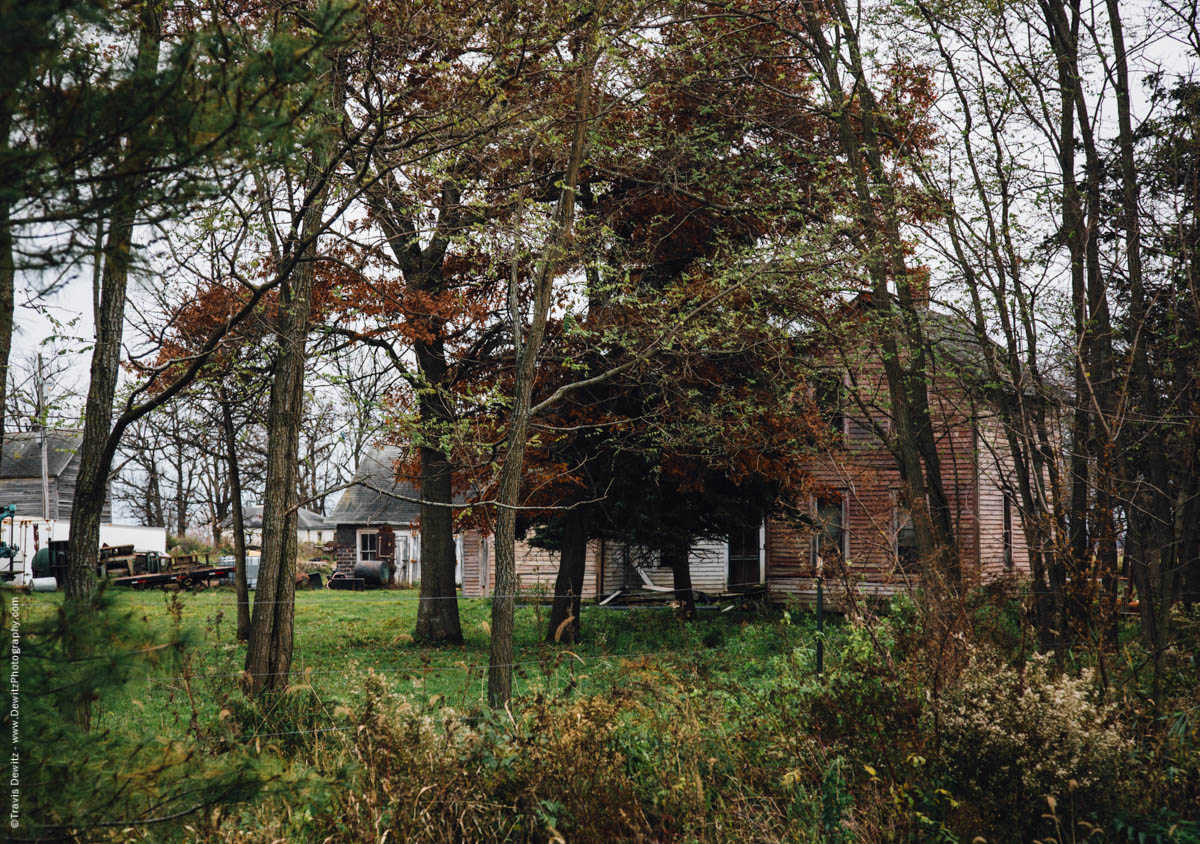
(58, 559)
(374, 572)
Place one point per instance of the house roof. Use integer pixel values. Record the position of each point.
(956, 344)
(22, 456)
(305, 519)
(371, 499)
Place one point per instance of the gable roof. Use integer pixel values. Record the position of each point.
(252, 519)
(367, 500)
(22, 456)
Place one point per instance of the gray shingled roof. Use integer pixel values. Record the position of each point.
(305, 519)
(22, 457)
(364, 503)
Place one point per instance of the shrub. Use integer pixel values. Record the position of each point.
(1014, 738)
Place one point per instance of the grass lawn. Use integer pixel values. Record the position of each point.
(341, 637)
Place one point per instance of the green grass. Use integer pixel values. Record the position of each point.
(341, 637)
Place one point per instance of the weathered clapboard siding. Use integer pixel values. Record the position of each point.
(995, 466)
(537, 568)
(804, 590)
(472, 551)
(709, 561)
(26, 495)
(21, 479)
(867, 478)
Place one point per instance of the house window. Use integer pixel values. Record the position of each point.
(830, 541)
(744, 556)
(829, 393)
(864, 432)
(908, 552)
(368, 545)
(1008, 532)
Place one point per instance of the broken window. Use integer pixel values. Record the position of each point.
(830, 542)
(829, 393)
(908, 553)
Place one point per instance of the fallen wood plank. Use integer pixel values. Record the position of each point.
(610, 597)
(649, 584)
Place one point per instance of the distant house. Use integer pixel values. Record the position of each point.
(310, 527)
(21, 474)
(377, 518)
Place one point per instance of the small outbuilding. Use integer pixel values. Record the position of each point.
(377, 518)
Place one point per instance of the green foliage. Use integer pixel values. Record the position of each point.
(187, 545)
(80, 782)
(1012, 738)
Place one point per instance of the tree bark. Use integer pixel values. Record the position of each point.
(95, 453)
(676, 556)
(1152, 511)
(905, 364)
(269, 652)
(239, 524)
(7, 277)
(438, 619)
(526, 345)
(437, 611)
(568, 586)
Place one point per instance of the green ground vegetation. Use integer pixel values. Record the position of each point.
(933, 721)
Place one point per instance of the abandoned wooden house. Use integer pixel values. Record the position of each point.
(857, 520)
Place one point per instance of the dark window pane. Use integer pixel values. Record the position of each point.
(744, 542)
(829, 393)
(908, 552)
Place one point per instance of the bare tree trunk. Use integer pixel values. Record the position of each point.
(182, 486)
(239, 524)
(1152, 509)
(905, 364)
(7, 277)
(437, 612)
(95, 453)
(154, 510)
(568, 586)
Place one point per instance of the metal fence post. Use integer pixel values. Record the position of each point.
(820, 625)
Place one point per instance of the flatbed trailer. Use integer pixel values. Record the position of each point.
(198, 576)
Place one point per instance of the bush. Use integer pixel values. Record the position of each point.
(1014, 738)
(550, 771)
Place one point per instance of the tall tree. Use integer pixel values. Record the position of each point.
(91, 485)
(868, 144)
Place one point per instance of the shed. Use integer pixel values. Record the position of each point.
(378, 517)
(21, 474)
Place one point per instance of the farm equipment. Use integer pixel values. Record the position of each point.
(156, 570)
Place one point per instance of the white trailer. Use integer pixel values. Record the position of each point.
(32, 533)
